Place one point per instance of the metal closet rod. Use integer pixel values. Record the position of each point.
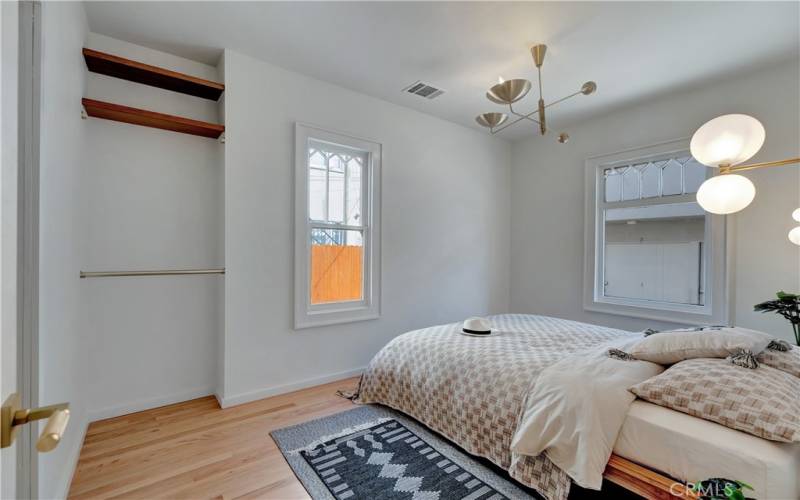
(162, 272)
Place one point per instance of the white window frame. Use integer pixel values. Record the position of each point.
(717, 250)
(306, 314)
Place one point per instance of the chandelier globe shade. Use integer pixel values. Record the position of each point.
(794, 235)
(727, 140)
(796, 214)
(726, 194)
(509, 91)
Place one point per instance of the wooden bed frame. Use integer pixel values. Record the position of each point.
(643, 481)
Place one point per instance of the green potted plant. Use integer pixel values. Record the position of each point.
(718, 488)
(788, 306)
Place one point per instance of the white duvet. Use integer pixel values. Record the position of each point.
(576, 409)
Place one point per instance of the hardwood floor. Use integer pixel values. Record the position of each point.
(197, 450)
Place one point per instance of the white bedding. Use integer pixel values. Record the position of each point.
(692, 449)
(548, 385)
(577, 407)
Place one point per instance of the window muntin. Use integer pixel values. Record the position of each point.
(653, 179)
(334, 193)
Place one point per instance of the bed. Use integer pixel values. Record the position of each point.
(476, 392)
(689, 448)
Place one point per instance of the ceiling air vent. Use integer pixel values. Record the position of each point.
(422, 89)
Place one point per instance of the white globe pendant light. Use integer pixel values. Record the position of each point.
(794, 235)
(726, 194)
(724, 143)
(727, 140)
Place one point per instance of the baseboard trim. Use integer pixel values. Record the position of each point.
(224, 402)
(72, 462)
(148, 404)
(227, 402)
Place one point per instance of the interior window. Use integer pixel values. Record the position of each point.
(653, 242)
(655, 249)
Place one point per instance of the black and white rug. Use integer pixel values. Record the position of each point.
(372, 452)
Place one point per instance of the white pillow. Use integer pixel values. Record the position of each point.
(670, 347)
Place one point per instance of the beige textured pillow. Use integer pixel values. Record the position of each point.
(666, 348)
(763, 402)
(788, 361)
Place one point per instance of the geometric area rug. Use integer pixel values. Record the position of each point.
(372, 452)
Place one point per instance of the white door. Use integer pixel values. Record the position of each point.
(19, 132)
(9, 45)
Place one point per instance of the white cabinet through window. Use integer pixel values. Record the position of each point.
(666, 272)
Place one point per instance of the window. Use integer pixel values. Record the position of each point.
(651, 250)
(337, 228)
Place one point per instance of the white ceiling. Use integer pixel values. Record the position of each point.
(633, 50)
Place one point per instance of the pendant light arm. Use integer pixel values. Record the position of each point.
(521, 117)
(542, 123)
(756, 166)
(527, 117)
(563, 99)
(541, 90)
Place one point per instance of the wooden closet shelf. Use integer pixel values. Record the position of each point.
(119, 67)
(117, 112)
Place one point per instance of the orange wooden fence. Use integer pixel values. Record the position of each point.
(336, 272)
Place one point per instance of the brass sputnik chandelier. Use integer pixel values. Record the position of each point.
(507, 92)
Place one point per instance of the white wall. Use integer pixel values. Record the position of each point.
(445, 226)
(62, 235)
(9, 46)
(153, 201)
(548, 178)
(118, 196)
(115, 197)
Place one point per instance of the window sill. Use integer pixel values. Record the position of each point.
(677, 317)
(329, 317)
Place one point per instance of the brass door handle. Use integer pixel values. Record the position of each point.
(53, 430)
(12, 417)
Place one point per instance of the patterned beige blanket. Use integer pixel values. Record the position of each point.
(473, 390)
